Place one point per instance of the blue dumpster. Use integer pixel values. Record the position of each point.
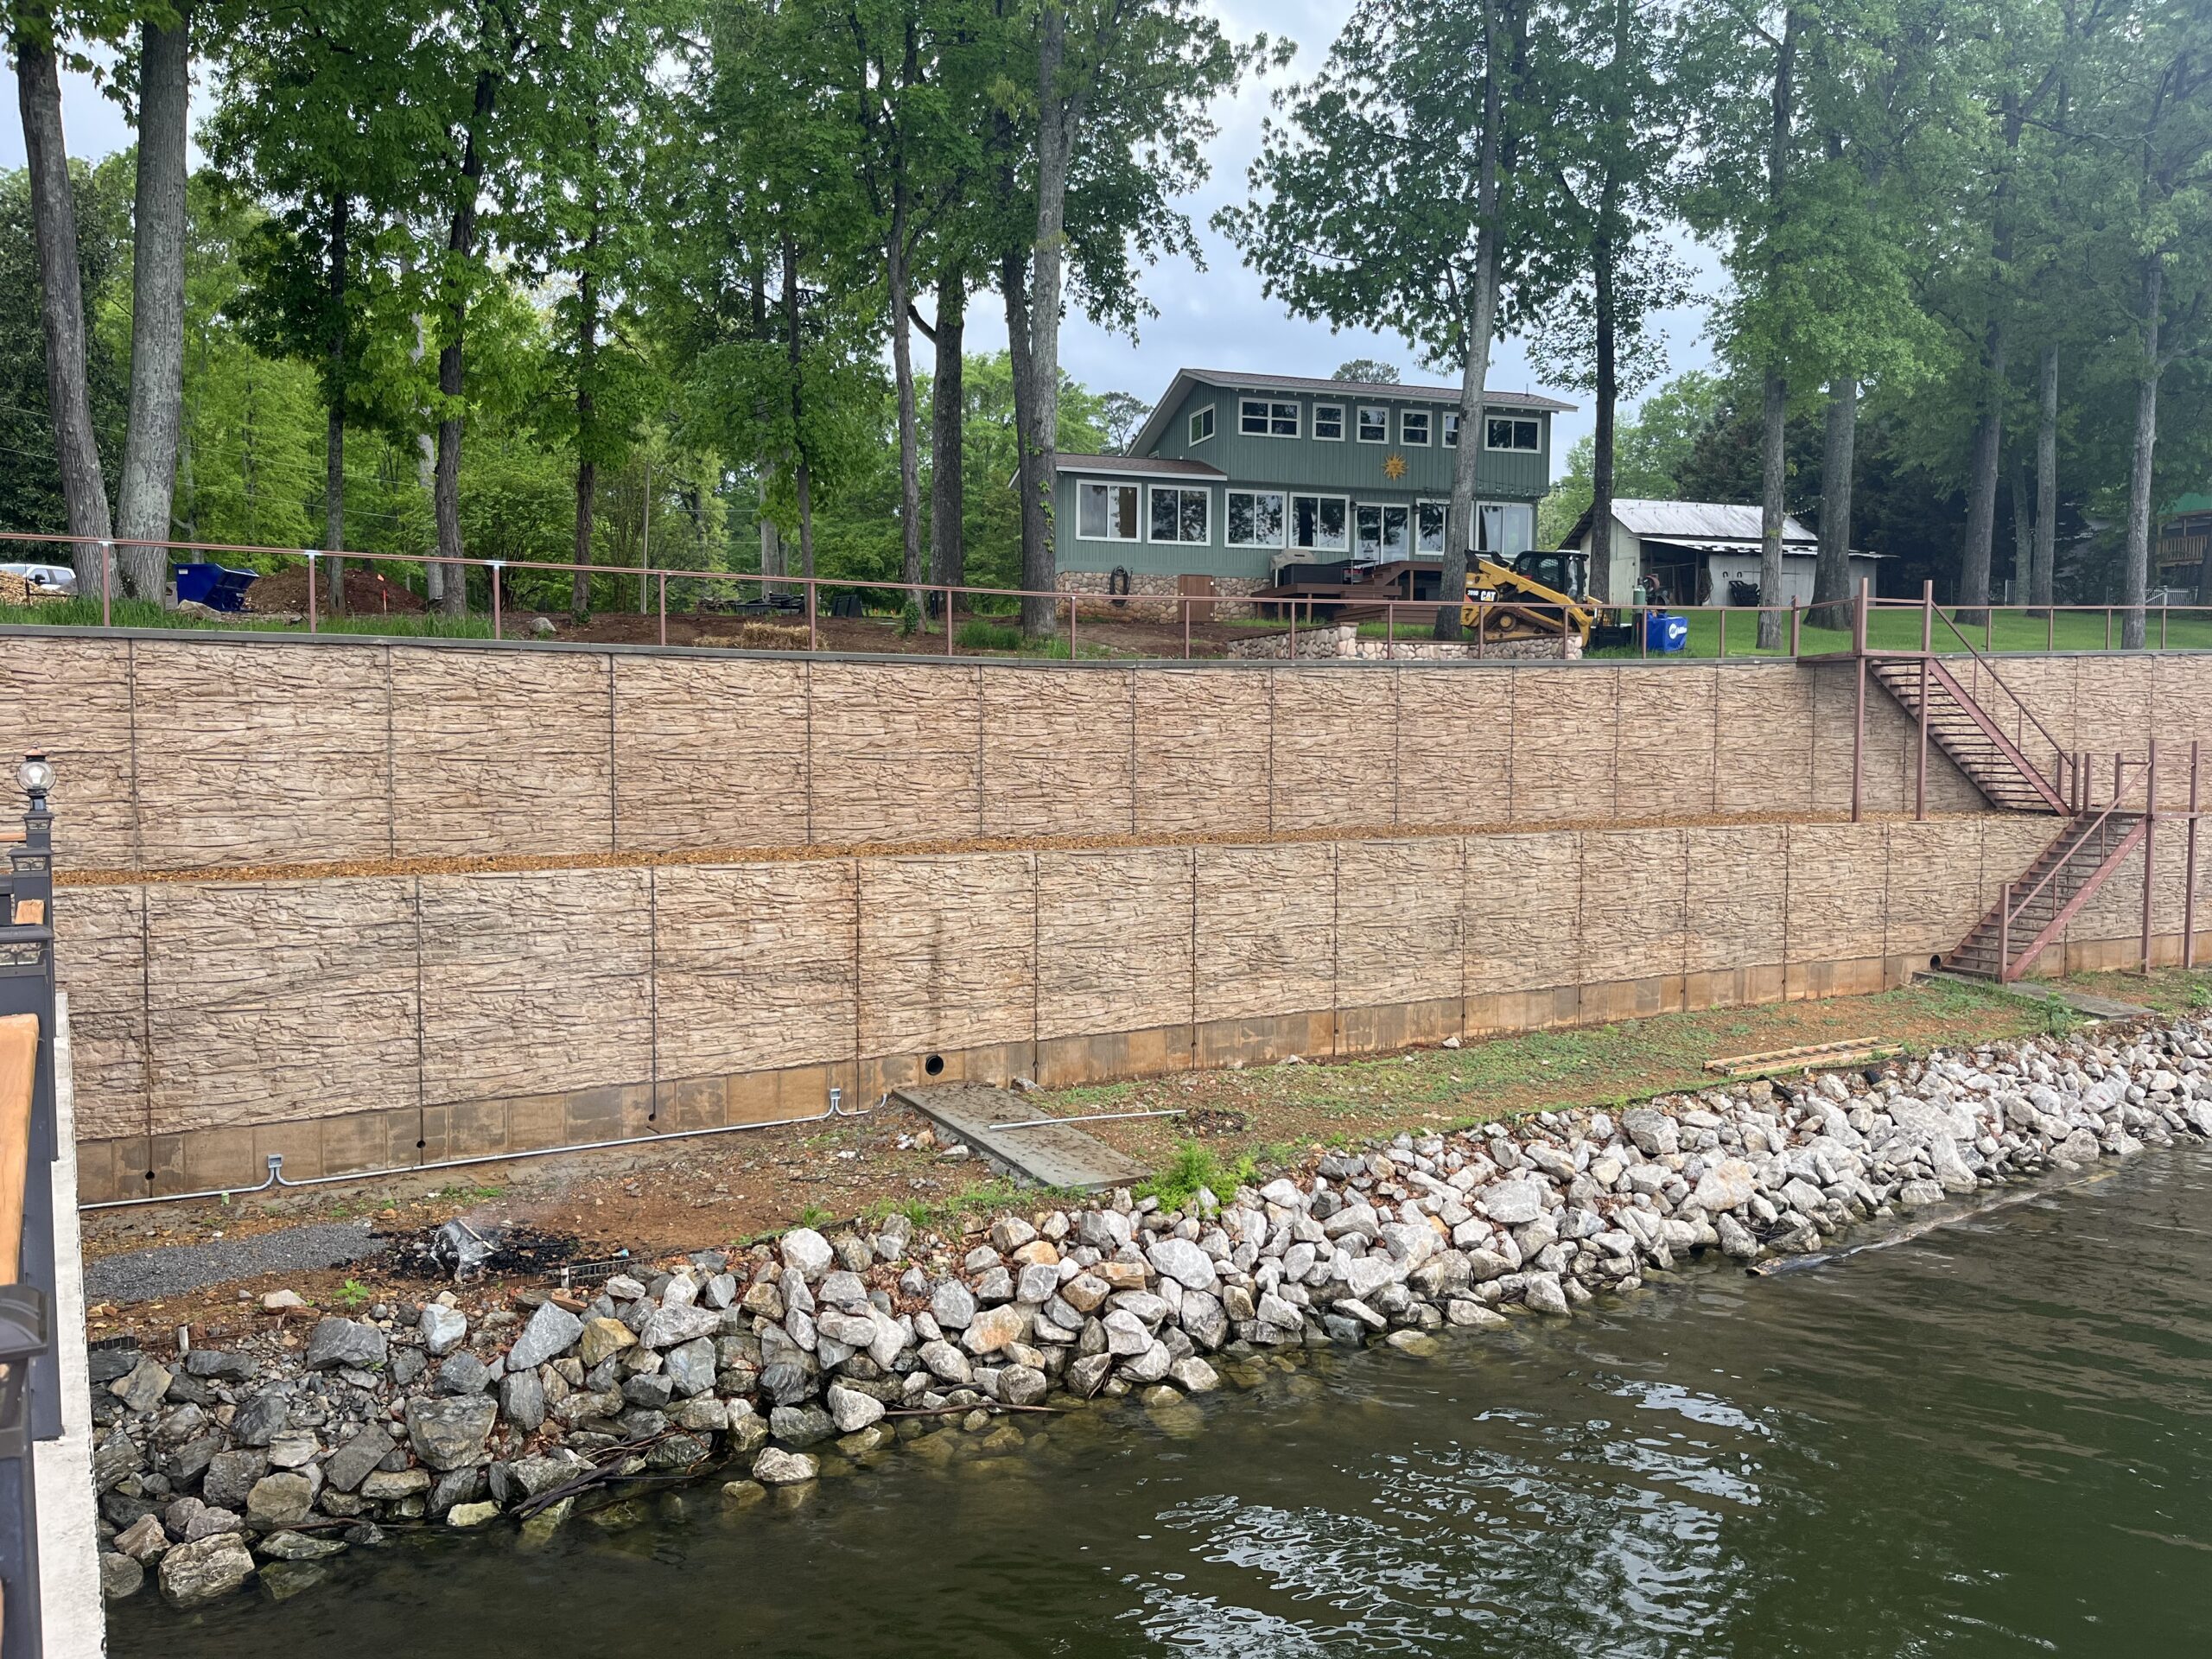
(1665, 635)
(215, 586)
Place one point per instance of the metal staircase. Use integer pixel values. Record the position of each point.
(1975, 739)
(2033, 912)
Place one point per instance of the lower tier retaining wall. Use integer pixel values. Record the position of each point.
(375, 1020)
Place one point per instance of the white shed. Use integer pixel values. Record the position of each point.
(1695, 550)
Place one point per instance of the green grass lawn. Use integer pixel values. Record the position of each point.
(143, 613)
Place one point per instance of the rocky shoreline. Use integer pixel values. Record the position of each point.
(772, 1368)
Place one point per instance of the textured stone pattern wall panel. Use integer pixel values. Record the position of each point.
(1736, 890)
(1632, 904)
(1935, 885)
(101, 964)
(947, 952)
(2045, 686)
(1455, 747)
(70, 699)
(2112, 707)
(1202, 749)
(301, 739)
(535, 983)
(1399, 910)
(1266, 934)
(1056, 755)
(1836, 893)
(1335, 754)
(1563, 743)
(895, 752)
(1116, 940)
(1664, 744)
(710, 751)
(1762, 733)
(1523, 913)
(499, 751)
(2180, 715)
(754, 965)
(281, 1000)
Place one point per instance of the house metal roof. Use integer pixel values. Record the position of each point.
(1247, 381)
(1134, 466)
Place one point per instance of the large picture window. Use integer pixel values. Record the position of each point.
(1329, 422)
(1318, 524)
(1515, 432)
(1259, 417)
(1507, 527)
(1429, 527)
(1254, 519)
(1106, 512)
(1180, 515)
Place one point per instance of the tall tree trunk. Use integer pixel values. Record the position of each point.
(62, 295)
(1031, 470)
(2043, 578)
(1059, 117)
(902, 367)
(948, 395)
(1989, 430)
(1975, 559)
(334, 448)
(2135, 567)
(587, 466)
(1832, 571)
(2023, 530)
(157, 304)
(1602, 444)
(1775, 400)
(802, 473)
(1461, 533)
(460, 247)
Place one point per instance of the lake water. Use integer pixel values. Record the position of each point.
(1994, 1438)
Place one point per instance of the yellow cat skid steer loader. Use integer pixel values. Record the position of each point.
(1535, 596)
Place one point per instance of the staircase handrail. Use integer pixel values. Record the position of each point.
(2081, 839)
(1982, 662)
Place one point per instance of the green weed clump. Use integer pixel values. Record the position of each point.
(978, 635)
(1194, 1167)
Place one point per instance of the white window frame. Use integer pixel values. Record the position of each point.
(1481, 508)
(1428, 427)
(1448, 429)
(1444, 530)
(1365, 410)
(1270, 409)
(1282, 518)
(1197, 437)
(1110, 486)
(1290, 520)
(1337, 410)
(1381, 539)
(1152, 493)
(1518, 421)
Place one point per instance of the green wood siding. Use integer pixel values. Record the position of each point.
(1306, 462)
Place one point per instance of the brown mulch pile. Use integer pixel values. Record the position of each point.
(285, 592)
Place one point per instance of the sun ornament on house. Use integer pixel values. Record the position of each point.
(1395, 468)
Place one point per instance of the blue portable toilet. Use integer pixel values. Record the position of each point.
(1665, 635)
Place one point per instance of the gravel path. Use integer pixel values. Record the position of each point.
(143, 1275)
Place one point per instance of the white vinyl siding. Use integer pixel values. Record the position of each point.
(1182, 516)
(1106, 512)
(1329, 422)
(1254, 519)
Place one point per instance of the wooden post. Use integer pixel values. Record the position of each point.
(1797, 627)
(1858, 719)
(2189, 890)
(312, 585)
(1920, 776)
(664, 608)
(2004, 936)
(2149, 838)
(1724, 634)
(810, 609)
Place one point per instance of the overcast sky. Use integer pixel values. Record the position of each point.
(1218, 319)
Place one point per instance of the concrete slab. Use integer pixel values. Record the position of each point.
(1050, 1154)
(2096, 1008)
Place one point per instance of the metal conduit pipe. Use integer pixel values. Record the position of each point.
(276, 1176)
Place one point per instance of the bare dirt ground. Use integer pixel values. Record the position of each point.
(1134, 638)
(724, 1191)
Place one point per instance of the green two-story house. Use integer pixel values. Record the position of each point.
(1237, 475)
